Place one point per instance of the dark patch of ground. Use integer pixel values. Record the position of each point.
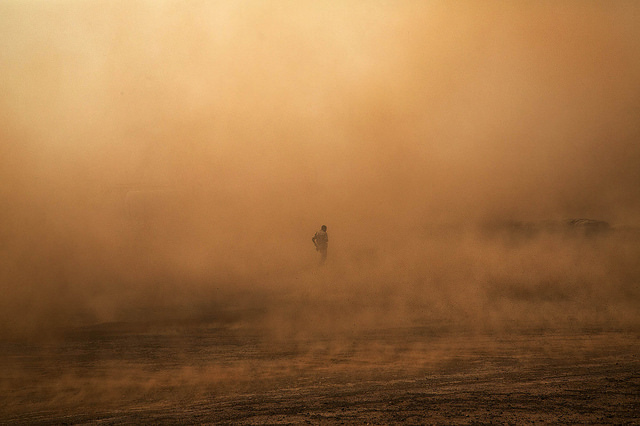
(239, 373)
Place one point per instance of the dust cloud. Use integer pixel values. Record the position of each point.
(171, 160)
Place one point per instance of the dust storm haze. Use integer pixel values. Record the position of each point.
(171, 160)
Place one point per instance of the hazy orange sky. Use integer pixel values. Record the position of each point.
(173, 139)
(515, 109)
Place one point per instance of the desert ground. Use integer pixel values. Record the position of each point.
(240, 365)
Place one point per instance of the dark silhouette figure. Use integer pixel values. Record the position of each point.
(321, 241)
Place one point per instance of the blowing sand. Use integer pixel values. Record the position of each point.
(337, 345)
(232, 373)
(164, 165)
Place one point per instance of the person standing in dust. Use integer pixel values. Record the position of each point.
(321, 241)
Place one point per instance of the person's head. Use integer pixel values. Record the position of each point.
(323, 227)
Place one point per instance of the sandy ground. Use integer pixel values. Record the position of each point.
(237, 373)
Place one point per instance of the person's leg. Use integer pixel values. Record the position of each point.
(323, 256)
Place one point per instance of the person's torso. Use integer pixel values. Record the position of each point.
(322, 239)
